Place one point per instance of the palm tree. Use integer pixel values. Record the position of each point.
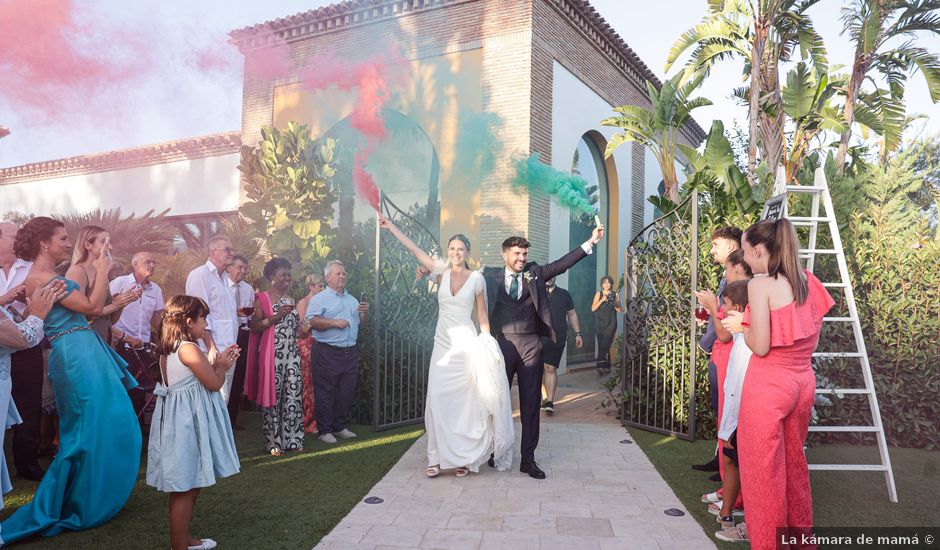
(873, 25)
(130, 234)
(658, 127)
(762, 33)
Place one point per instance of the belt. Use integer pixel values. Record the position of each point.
(341, 349)
(56, 336)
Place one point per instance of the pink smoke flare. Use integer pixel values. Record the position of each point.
(363, 181)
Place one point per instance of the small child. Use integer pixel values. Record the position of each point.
(191, 442)
(734, 298)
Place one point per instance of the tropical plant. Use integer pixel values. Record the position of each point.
(659, 127)
(763, 33)
(714, 170)
(289, 194)
(874, 26)
(807, 103)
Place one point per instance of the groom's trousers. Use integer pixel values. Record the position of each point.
(523, 356)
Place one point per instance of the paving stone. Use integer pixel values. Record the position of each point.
(599, 494)
(452, 539)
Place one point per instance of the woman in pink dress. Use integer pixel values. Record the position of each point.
(781, 326)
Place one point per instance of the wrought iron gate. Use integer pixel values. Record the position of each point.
(658, 377)
(403, 323)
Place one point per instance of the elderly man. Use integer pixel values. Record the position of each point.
(27, 364)
(335, 317)
(210, 282)
(140, 317)
(244, 297)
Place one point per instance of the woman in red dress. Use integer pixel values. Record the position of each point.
(781, 325)
(305, 342)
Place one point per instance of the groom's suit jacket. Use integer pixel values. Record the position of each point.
(534, 294)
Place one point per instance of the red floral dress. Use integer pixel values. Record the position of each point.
(310, 420)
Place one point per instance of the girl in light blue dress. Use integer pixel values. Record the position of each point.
(191, 442)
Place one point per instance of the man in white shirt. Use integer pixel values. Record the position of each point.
(210, 282)
(27, 364)
(143, 314)
(244, 297)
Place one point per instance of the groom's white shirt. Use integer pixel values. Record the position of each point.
(586, 246)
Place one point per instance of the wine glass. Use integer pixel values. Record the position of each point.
(701, 313)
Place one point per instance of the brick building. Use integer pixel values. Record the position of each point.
(541, 73)
(486, 82)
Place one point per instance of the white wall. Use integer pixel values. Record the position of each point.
(187, 187)
(577, 109)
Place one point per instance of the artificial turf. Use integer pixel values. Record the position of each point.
(288, 502)
(840, 499)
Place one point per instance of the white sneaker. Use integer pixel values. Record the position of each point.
(207, 544)
(345, 433)
(738, 533)
(327, 438)
(711, 497)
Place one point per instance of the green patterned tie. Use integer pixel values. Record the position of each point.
(514, 287)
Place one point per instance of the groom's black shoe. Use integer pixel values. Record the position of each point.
(532, 469)
(492, 460)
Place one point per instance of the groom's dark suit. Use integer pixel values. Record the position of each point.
(518, 325)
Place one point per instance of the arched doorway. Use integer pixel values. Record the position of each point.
(405, 167)
(588, 162)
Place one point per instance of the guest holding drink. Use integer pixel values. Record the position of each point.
(245, 305)
(273, 380)
(605, 307)
(725, 240)
(315, 283)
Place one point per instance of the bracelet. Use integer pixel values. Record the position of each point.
(577, 334)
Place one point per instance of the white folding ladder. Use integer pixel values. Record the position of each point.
(820, 190)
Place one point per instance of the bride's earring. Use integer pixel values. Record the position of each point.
(45, 248)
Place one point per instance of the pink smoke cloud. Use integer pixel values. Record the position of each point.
(372, 80)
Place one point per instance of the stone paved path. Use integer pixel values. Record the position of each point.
(600, 494)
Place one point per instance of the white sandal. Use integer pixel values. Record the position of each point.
(433, 471)
(461, 472)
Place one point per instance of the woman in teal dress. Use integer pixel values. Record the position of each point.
(99, 451)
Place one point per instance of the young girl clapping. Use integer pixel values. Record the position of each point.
(191, 442)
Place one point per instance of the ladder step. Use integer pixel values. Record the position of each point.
(837, 354)
(803, 189)
(833, 391)
(843, 429)
(808, 220)
(850, 467)
(839, 319)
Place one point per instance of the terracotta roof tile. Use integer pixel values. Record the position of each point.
(192, 148)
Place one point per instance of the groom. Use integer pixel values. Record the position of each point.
(519, 316)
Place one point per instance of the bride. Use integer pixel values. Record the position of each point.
(468, 414)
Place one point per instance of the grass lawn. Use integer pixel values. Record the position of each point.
(290, 501)
(840, 499)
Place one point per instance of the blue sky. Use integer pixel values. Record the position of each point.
(168, 97)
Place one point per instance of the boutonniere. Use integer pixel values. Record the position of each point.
(528, 277)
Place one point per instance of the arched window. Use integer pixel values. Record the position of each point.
(588, 162)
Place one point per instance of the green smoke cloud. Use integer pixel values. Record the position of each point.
(568, 189)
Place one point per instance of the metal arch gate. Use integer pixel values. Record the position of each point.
(659, 354)
(403, 323)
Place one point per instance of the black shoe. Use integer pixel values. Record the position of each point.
(716, 477)
(532, 469)
(33, 472)
(710, 466)
(548, 407)
(492, 461)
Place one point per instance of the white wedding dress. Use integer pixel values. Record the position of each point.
(468, 413)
